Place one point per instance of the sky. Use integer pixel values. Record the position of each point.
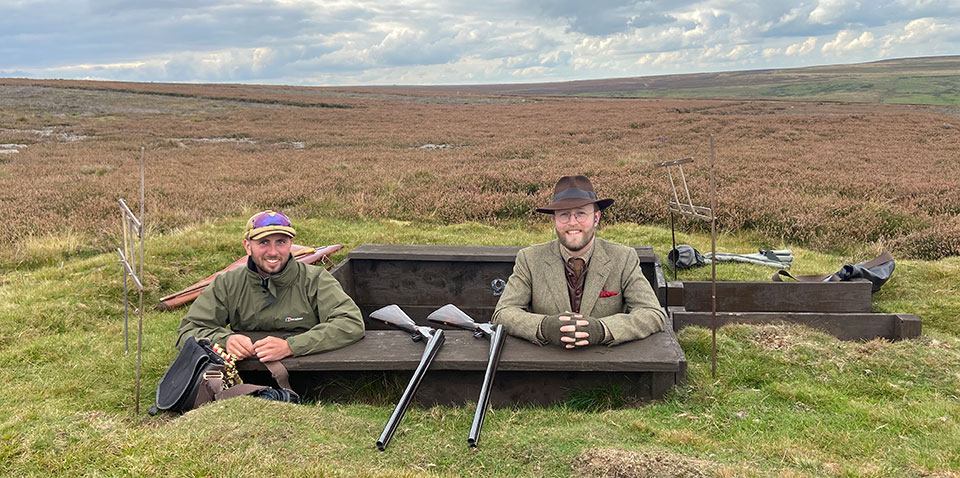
(430, 42)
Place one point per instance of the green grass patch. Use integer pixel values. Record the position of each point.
(859, 87)
(787, 401)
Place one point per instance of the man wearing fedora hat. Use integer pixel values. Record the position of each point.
(578, 290)
(302, 306)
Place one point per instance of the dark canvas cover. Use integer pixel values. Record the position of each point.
(177, 390)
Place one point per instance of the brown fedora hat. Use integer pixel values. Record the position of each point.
(573, 192)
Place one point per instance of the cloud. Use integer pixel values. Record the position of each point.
(405, 46)
(803, 48)
(606, 17)
(430, 41)
(919, 30)
(831, 11)
(847, 41)
(734, 53)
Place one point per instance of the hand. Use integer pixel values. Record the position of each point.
(555, 327)
(575, 334)
(588, 331)
(240, 346)
(270, 349)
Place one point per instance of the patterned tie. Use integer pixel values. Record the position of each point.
(577, 264)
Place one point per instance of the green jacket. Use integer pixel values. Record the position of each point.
(615, 291)
(303, 303)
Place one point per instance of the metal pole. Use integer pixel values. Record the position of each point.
(126, 335)
(140, 275)
(673, 236)
(685, 188)
(673, 187)
(713, 263)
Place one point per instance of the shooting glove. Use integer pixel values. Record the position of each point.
(595, 328)
(550, 328)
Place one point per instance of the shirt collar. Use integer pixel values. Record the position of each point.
(586, 256)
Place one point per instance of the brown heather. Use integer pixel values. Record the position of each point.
(827, 176)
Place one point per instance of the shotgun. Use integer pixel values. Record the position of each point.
(392, 315)
(453, 316)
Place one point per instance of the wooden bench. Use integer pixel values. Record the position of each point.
(843, 309)
(420, 279)
(528, 373)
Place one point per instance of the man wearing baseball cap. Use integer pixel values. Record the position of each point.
(578, 290)
(302, 306)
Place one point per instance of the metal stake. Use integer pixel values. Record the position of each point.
(133, 233)
(707, 214)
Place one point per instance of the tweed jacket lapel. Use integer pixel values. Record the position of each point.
(597, 274)
(553, 278)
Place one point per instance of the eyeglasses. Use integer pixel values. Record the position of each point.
(270, 218)
(565, 216)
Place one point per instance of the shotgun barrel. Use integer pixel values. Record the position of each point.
(453, 316)
(393, 315)
(496, 345)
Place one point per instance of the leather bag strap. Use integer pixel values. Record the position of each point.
(279, 373)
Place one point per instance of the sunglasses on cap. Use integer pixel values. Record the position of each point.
(270, 218)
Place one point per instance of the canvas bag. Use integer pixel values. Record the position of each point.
(196, 377)
(877, 270)
(685, 257)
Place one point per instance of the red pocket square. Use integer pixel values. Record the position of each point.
(607, 293)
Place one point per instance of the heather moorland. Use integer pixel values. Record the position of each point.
(819, 175)
(837, 182)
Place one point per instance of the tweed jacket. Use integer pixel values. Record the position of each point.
(614, 291)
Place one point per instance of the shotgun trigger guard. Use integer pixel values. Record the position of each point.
(416, 336)
(478, 334)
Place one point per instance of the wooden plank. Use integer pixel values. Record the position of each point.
(673, 294)
(661, 382)
(525, 387)
(436, 283)
(423, 252)
(659, 282)
(650, 266)
(907, 326)
(435, 252)
(852, 296)
(394, 350)
(845, 326)
(449, 387)
(343, 273)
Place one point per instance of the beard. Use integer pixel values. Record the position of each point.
(575, 244)
(270, 269)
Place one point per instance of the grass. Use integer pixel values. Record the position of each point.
(788, 401)
(942, 90)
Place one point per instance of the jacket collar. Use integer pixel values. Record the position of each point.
(282, 279)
